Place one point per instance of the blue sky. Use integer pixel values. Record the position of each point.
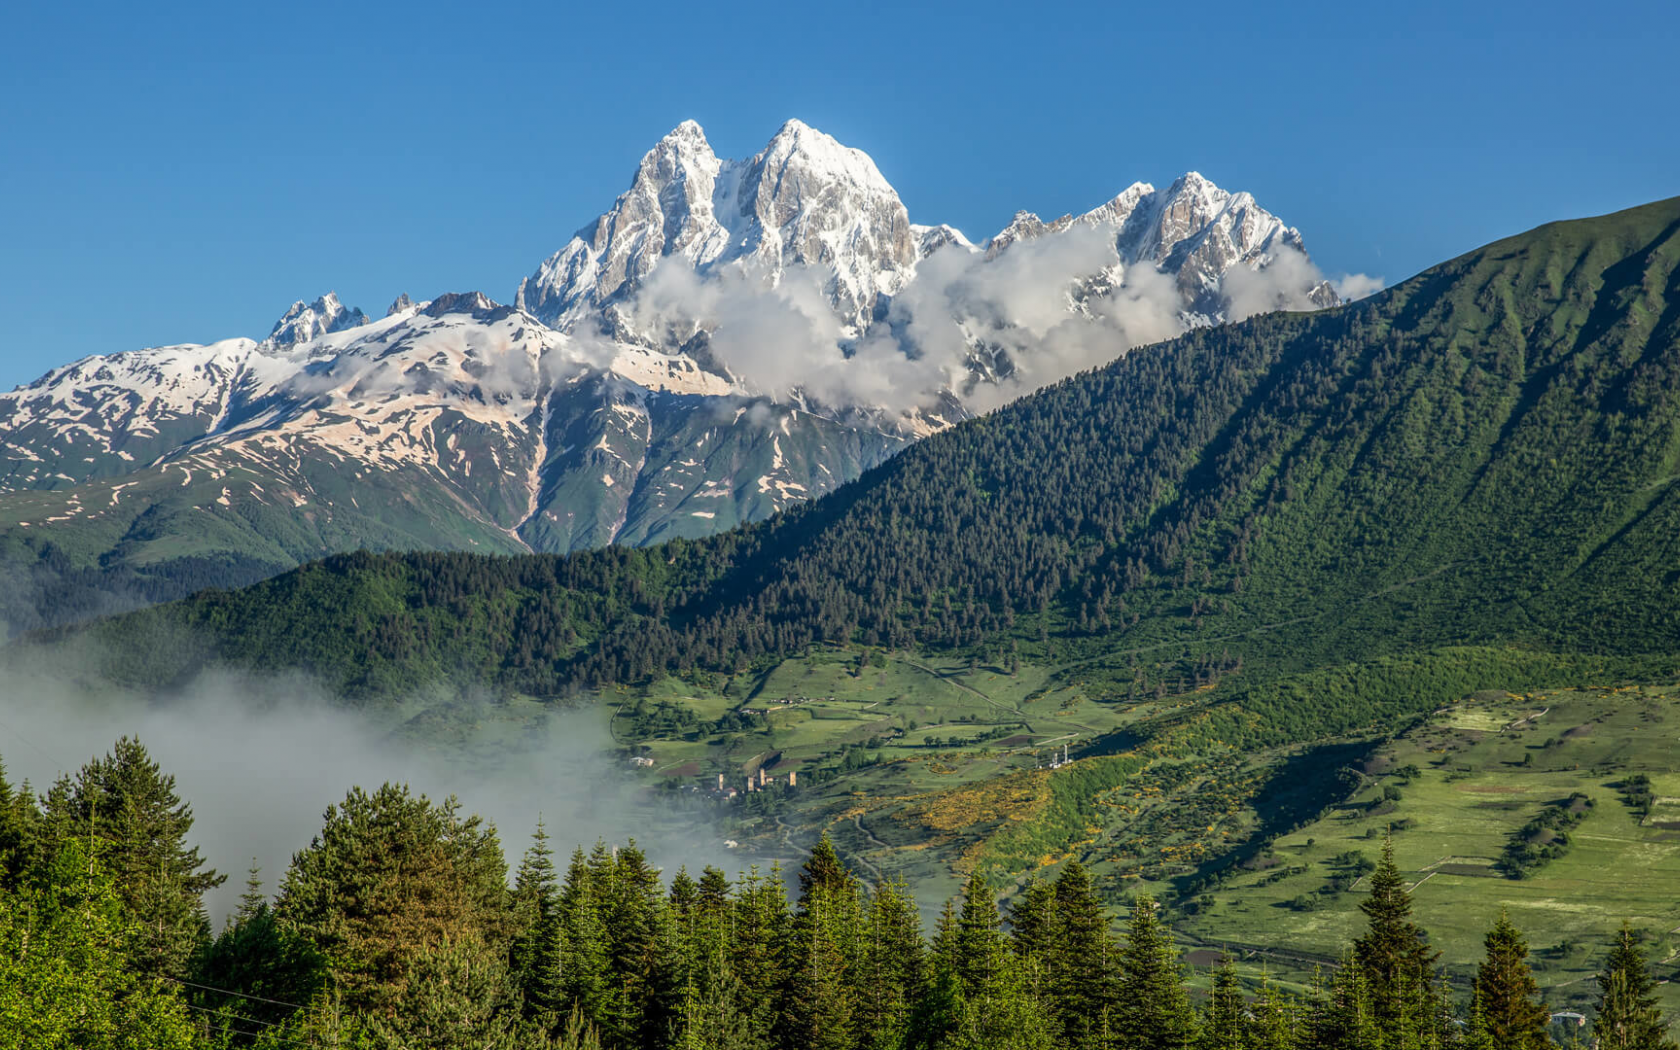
(175, 172)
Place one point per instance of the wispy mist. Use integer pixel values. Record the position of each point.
(260, 759)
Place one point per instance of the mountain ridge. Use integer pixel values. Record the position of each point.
(696, 369)
(1299, 489)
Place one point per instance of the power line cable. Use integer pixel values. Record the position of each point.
(229, 991)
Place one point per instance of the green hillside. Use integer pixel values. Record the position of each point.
(1485, 453)
(1526, 802)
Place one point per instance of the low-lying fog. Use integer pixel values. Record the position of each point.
(259, 761)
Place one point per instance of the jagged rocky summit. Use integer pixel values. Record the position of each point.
(728, 338)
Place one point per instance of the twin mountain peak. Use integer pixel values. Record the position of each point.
(730, 337)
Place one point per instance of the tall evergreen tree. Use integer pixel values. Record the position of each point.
(823, 1003)
(253, 901)
(641, 954)
(585, 986)
(1032, 917)
(1506, 993)
(1627, 1017)
(762, 938)
(18, 819)
(535, 962)
(1394, 954)
(1274, 1019)
(980, 945)
(390, 876)
(1225, 1026)
(1342, 1017)
(1081, 971)
(892, 974)
(256, 968)
(127, 807)
(457, 996)
(67, 981)
(1153, 1011)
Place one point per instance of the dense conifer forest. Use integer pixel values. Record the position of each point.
(398, 927)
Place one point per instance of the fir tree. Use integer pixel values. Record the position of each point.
(1153, 1011)
(1342, 1017)
(892, 977)
(1512, 1016)
(585, 988)
(980, 946)
(1274, 1019)
(538, 949)
(1032, 919)
(1627, 1017)
(66, 979)
(823, 872)
(640, 951)
(1394, 954)
(253, 901)
(761, 935)
(18, 819)
(1081, 977)
(127, 808)
(1224, 1027)
(823, 1001)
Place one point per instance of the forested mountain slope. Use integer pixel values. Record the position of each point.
(1485, 453)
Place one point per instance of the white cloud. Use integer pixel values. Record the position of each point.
(1051, 306)
(1283, 283)
(1353, 286)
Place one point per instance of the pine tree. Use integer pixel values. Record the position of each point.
(892, 977)
(253, 901)
(1394, 955)
(1512, 1015)
(1081, 976)
(539, 940)
(980, 945)
(822, 1009)
(66, 979)
(1153, 1012)
(457, 996)
(712, 1017)
(1274, 1020)
(1032, 935)
(584, 979)
(823, 872)
(823, 1001)
(762, 939)
(1032, 918)
(1627, 1017)
(1224, 1026)
(391, 875)
(641, 958)
(128, 808)
(19, 818)
(1342, 1017)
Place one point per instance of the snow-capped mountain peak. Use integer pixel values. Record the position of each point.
(305, 321)
(730, 337)
(803, 200)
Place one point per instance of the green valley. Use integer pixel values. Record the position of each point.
(1242, 577)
